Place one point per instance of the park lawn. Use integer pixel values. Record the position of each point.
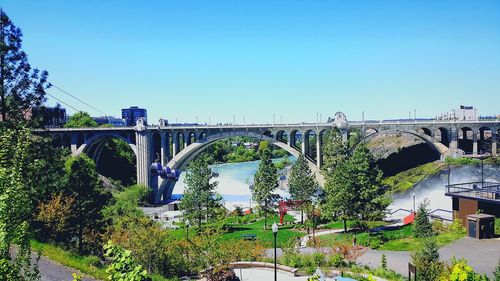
(391, 240)
(285, 233)
(85, 264)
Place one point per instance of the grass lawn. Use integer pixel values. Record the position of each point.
(84, 264)
(285, 233)
(392, 240)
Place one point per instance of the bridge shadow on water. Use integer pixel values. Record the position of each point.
(407, 158)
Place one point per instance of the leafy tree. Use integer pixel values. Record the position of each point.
(426, 260)
(118, 162)
(354, 189)
(54, 218)
(21, 87)
(423, 226)
(15, 207)
(199, 199)
(123, 266)
(90, 197)
(265, 182)
(302, 183)
(461, 271)
(80, 120)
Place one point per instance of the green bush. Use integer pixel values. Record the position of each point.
(319, 259)
(336, 260)
(310, 270)
(462, 161)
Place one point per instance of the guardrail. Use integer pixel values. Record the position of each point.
(485, 190)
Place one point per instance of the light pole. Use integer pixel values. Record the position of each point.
(275, 233)
(187, 229)
(414, 206)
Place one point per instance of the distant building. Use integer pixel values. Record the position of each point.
(464, 113)
(111, 120)
(132, 114)
(50, 117)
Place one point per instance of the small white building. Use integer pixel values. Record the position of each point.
(463, 113)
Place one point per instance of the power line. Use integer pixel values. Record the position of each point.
(100, 111)
(65, 103)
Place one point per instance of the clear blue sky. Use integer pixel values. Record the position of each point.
(253, 58)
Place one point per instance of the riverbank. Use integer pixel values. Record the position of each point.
(405, 180)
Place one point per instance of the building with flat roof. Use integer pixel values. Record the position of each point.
(111, 120)
(132, 114)
(463, 113)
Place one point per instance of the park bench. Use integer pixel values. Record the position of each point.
(249, 237)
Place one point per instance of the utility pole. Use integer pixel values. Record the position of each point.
(234, 119)
(274, 119)
(415, 114)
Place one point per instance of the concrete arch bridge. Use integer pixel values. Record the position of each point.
(176, 146)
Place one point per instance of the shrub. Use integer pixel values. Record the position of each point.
(310, 270)
(383, 262)
(336, 260)
(319, 259)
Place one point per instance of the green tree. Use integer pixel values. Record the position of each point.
(426, 260)
(123, 266)
(354, 189)
(302, 183)
(383, 261)
(80, 120)
(423, 226)
(366, 179)
(461, 271)
(21, 87)
(199, 201)
(265, 182)
(335, 152)
(15, 207)
(90, 197)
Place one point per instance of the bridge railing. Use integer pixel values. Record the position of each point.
(485, 190)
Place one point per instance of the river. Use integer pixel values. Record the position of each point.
(234, 180)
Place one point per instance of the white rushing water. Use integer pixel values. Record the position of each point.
(234, 180)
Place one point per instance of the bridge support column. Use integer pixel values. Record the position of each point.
(175, 145)
(453, 137)
(305, 144)
(494, 147)
(291, 139)
(74, 145)
(319, 152)
(474, 144)
(165, 148)
(143, 140)
(187, 140)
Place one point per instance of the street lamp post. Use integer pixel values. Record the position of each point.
(275, 233)
(414, 205)
(187, 229)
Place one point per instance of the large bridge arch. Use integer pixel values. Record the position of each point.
(435, 145)
(182, 159)
(93, 146)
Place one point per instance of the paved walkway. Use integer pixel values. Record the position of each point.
(481, 255)
(305, 239)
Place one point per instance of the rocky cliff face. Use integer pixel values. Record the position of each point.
(384, 145)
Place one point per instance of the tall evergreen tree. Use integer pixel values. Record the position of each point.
(21, 87)
(199, 201)
(426, 260)
(354, 189)
(302, 183)
(335, 152)
(90, 197)
(265, 182)
(423, 226)
(373, 199)
(15, 206)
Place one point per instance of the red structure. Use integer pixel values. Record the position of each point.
(409, 218)
(285, 206)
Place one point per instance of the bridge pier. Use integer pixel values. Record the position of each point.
(305, 144)
(165, 148)
(143, 142)
(319, 152)
(474, 142)
(494, 147)
(453, 137)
